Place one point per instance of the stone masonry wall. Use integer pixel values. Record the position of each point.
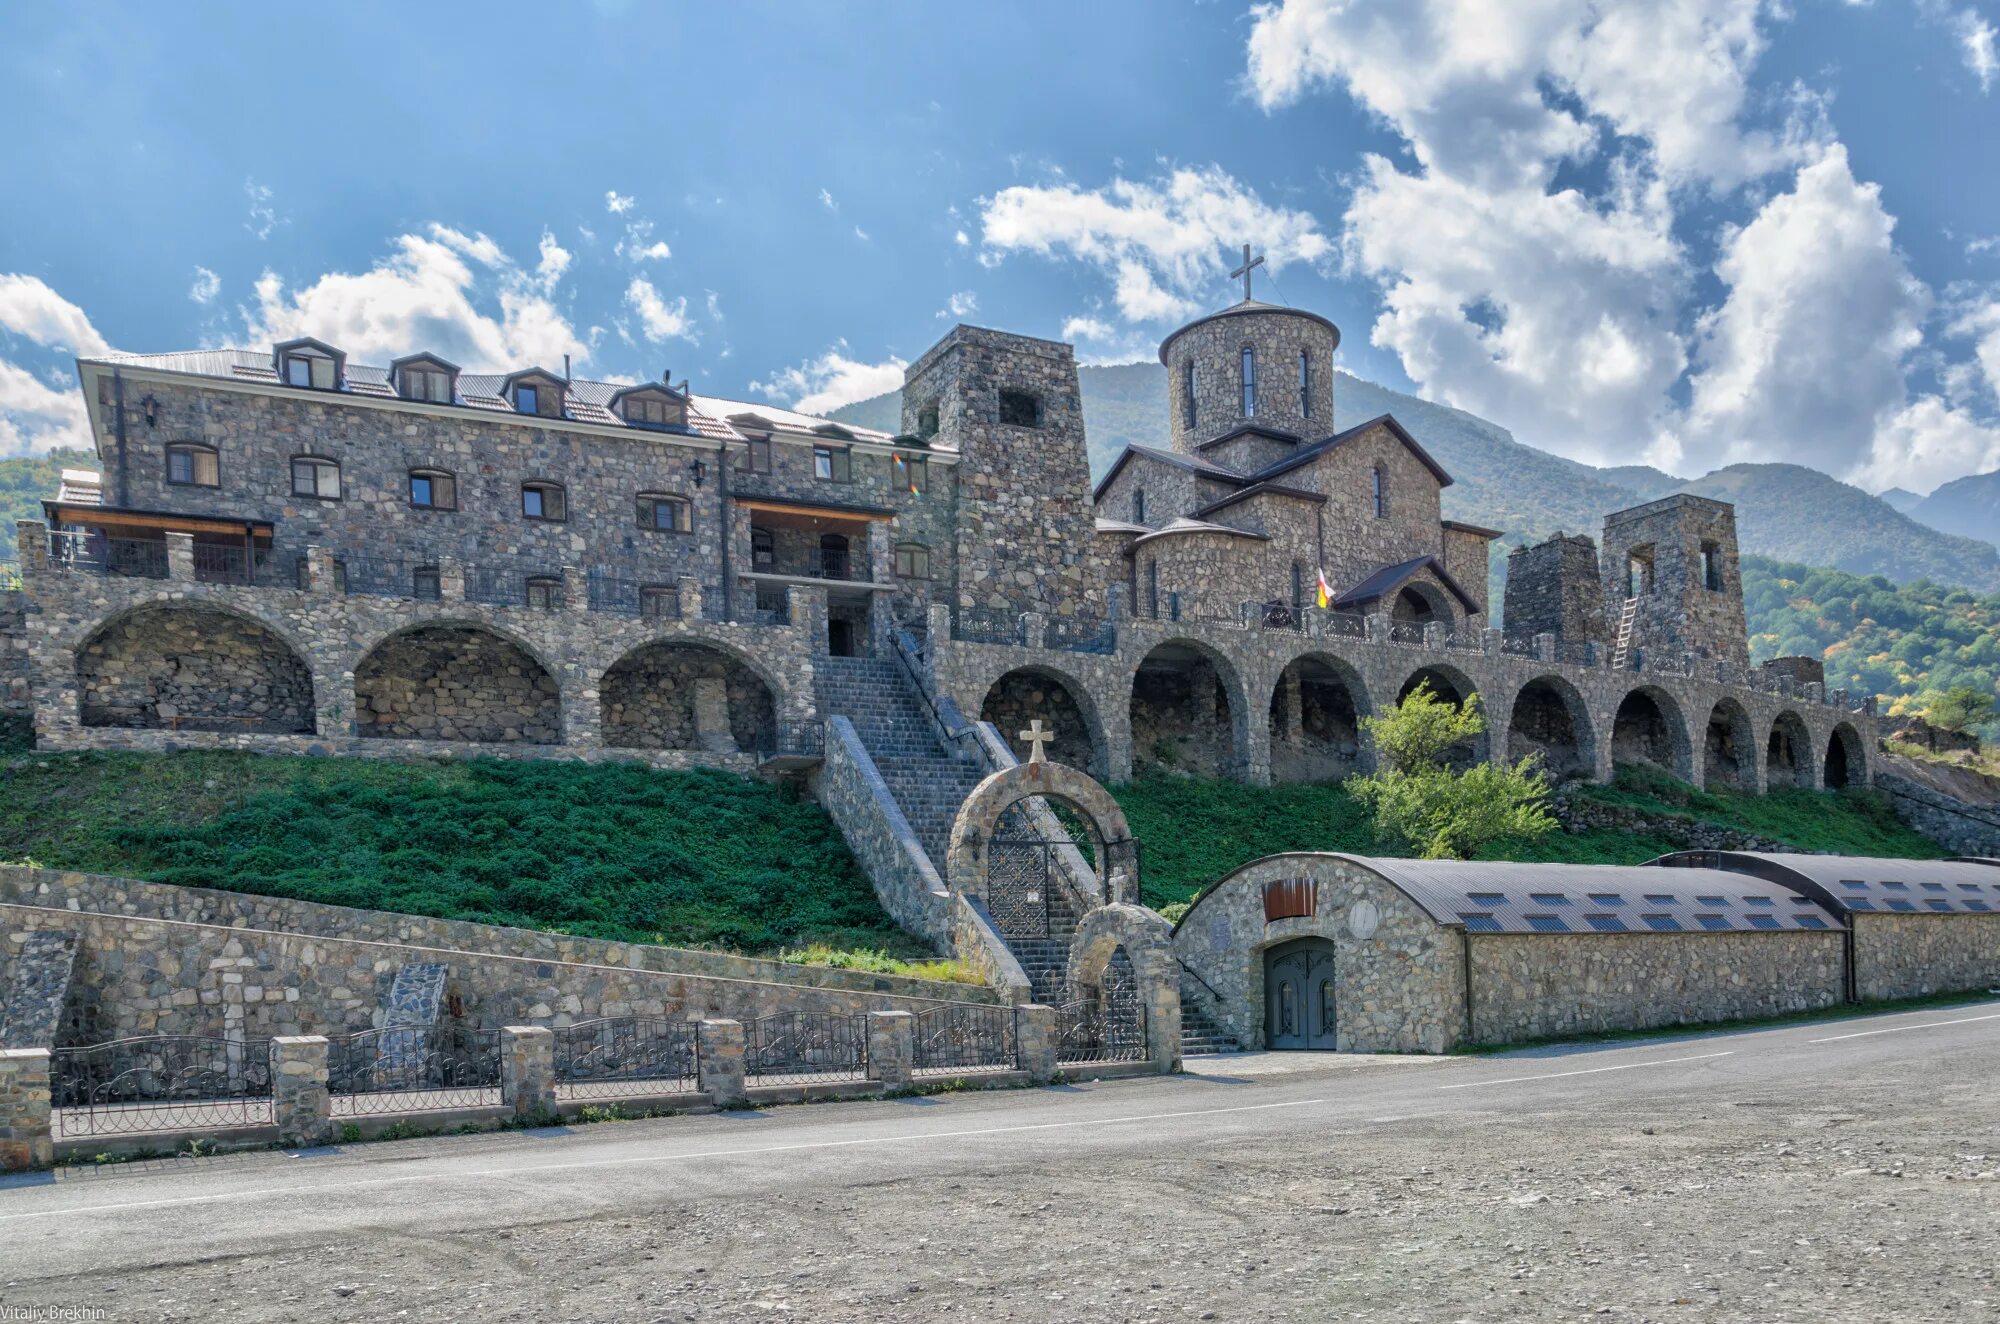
(681, 697)
(456, 684)
(1908, 956)
(195, 668)
(1532, 986)
(1680, 614)
(1555, 588)
(1215, 349)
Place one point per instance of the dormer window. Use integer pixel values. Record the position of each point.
(308, 363)
(424, 377)
(654, 411)
(536, 393)
(528, 399)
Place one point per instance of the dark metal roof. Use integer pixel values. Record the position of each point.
(1392, 577)
(1243, 309)
(1259, 489)
(1859, 883)
(1338, 439)
(1202, 467)
(1596, 898)
(1475, 529)
(1252, 430)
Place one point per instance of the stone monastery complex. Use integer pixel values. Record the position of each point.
(947, 633)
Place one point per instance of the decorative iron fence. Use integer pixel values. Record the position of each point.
(629, 595)
(402, 1069)
(1082, 634)
(392, 577)
(1466, 641)
(804, 1048)
(160, 1082)
(1405, 632)
(961, 1037)
(1275, 614)
(619, 1056)
(1341, 624)
(794, 737)
(136, 558)
(222, 563)
(1518, 645)
(1097, 1030)
(987, 625)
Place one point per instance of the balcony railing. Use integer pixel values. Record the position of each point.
(848, 567)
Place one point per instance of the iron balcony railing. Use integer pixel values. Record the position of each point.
(794, 738)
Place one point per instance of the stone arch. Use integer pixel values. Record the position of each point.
(1729, 749)
(1189, 711)
(1062, 702)
(1649, 729)
(1788, 753)
(1418, 603)
(1550, 718)
(190, 667)
(979, 818)
(1846, 759)
(1145, 942)
(1315, 718)
(687, 694)
(456, 680)
(1456, 688)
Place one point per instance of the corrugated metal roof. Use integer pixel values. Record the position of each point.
(1861, 883)
(788, 419)
(1593, 898)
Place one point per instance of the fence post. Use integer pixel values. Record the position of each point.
(25, 1139)
(688, 587)
(721, 1060)
(180, 557)
(319, 570)
(575, 588)
(31, 539)
(1034, 629)
(528, 1070)
(300, 1104)
(451, 579)
(1035, 1033)
(891, 1048)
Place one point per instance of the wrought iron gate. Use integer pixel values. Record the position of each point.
(1021, 879)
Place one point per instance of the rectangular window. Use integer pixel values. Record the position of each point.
(1381, 493)
(193, 466)
(427, 384)
(763, 549)
(544, 593)
(659, 602)
(1020, 409)
(316, 478)
(756, 457)
(1187, 394)
(1249, 382)
(527, 399)
(1711, 567)
(424, 583)
(434, 491)
(912, 472)
(1305, 384)
(544, 501)
(665, 514)
(913, 561)
(298, 371)
(1139, 505)
(833, 463)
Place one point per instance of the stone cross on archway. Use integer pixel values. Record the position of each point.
(1036, 737)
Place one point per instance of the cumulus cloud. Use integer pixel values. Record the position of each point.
(961, 304)
(457, 294)
(1164, 243)
(1087, 328)
(206, 285)
(617, 203)
(1976, 44)
(30, 309)
(658, 318)
(38, 414)
(832, 380)
(263, 211)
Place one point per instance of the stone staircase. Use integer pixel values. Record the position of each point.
(927, 783)
(1201, 1033)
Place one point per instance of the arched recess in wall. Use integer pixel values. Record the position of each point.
(1846, 760)
(676, 694)
(1729, 749)
(1454, 687)
(1188, 712)
(1788, 753)
(1649, 731)
(1550, 720)
(1417, 605)
(1063, 705)
(188, 668)
(1315, 715)
(456, 682)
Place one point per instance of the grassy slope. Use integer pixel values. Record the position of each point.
(600, 850)
(1239, 823)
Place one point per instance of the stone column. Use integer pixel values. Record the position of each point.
(937, 623)
(1035, 1026)
(690, 595)
(1294, 708)
(813, 618)
(1545, 647)
(575, 589)
(721, 1061)
(891, 1048)
(180, 557)
(881, 551)
(300, 1103)
(1163, 1023)
(31, 538)
(711, 716)
(1376, 626)
(319, 570)
(1434, 634)
(451, 579)
(1035, 629)
(25, 1138)
(528, 1070)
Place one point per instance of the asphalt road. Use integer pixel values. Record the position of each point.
(1840, 1170)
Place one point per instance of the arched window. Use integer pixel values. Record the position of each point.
(1381, 481)
(1305, 384)
(433, 489)
(1187, 393)
(763, 548)
(190, 465)
(1138, 505)
(665, 513)
(913, 560)
(314, 476)
(544, 501)
(1249, 382)
(831, 561)
(1711, 567)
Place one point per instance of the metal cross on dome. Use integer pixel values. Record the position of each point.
(1036, 737)
(1244, 271)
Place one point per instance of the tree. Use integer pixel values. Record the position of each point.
(1423, 804)
(1959, 708)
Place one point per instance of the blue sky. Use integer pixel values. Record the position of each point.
(1688, 231)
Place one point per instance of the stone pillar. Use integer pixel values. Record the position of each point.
(451, 579)
(31, 538)
(1163, 1022)
(1545, 647)
(1434, 633)
(575, 589)
(25, 1138)
(319, 570)
(1035, 1026)
(1294, 708)
(1035, 629)
(721, 1061)
(528, 1070)
(300, 1103)
(690, 595)
(813, 618)
(180, 557)
(891, 1048)
(1376, 626)
(937, 623)
(711, 716)
(881, 551)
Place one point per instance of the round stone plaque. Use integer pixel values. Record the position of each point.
(1363, 918)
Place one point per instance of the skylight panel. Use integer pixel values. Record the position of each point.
(1764, 922)
(1608, 898)
(1548, 898)
(1661, 898)
(1717, 922)
(1810, 921)
(1663, 923)
(1713, 900)
(1939, 905)
(1547, 924)
(1902, 905)
(1488, 898)
(1759, 901)
(1606, 923)
(1934, 887)
(1476, 922)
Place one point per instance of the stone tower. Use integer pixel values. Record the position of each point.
(1011, 406)
(1677, 557)
(1554, 588)
(1248, 384)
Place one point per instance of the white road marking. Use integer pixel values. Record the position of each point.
(1588, 1071)
(535, 1169)
(1898, 1029)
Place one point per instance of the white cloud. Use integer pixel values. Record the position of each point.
(832, 380)
(1925, 443)
(1088, 328)
(1164, 243)
(427, 295)
(962, 239)
(29, 308)
(660, 319)
(1976, 44)
(826, 201)
(206, 285)
(617, 203)
(961, 304)
(861, 234)
(37, 415)
(263, 212)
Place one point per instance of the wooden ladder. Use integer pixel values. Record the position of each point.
(1621, 654)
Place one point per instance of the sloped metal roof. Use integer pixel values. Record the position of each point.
(1861, 883)
(1390, 578)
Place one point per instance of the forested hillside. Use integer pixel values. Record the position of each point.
(24, 483)
(1967, 506)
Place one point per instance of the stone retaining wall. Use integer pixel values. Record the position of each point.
(1966, 829)
(1910, 956)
